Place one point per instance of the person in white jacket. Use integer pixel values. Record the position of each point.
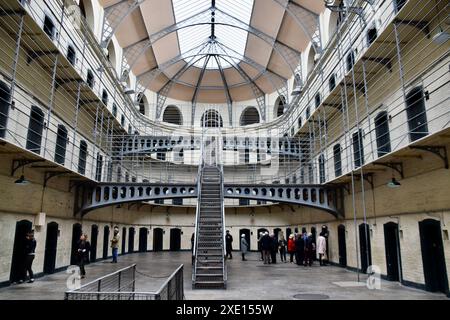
(321, 248)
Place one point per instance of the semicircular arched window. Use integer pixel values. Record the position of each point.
(172, 114)
(249, 116)
(211, 119)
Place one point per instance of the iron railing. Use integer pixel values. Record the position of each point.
(120, 285)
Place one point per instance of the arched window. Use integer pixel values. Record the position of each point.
(49, 27)
(172, 114)
(35, 127)
(371, 35)
(337, 160)
(5, 96)
(142, 103)
(350, 60)
(382, 133)
(99, 167)
(322, 168)
(299, 122)
(211, 119)
(90, 79)
(358, 148)
(87, 12)
(114, 110)
(308, 112)
(416, 113)
(105, 97)
(317, 100)
(280, 106)
(71, 55)
(332, 82)
(311, 63)
(249, 116)
(122, 120)
(297, 84)
(111, 54)
(82, 157)
(61, 144)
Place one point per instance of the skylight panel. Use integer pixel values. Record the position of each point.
(232, 38)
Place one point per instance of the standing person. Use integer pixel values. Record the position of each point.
(229, 244)
(244, 247)
(321, 247)
(326, 234)
(291, 247)
(115, 245)
(82, 253)
(274, 248)
(299, 250)
(30, 248)
(261, 235)
(282, 248)
(266, 246)
(309, 248)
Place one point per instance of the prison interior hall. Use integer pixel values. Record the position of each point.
(224, 149)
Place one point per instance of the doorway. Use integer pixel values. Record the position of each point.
(157, 239)
(124, 239)
(143, 236)
(246, 233)
(18, 259)
(5, 96)
(433, 258)
(131, 240)
(288, 233)
(76, 234)
(259, 231)
(105, 242)
(94, 238)
(392, 248)
(51, 242)
(175, 239)
(276, 232)
(364, 246)
(342, 247)
(416, 113)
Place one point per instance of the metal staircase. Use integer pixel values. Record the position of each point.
(209, 271)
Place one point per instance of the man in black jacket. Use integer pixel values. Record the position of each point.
(30, 248)
(229, 244)
(84, 247)
(266, 246)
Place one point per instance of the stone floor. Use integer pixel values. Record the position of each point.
(246, 280)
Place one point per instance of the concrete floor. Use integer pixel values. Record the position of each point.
(246, 280)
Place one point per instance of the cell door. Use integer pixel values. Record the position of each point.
(246, 233)
(76, 234)
(392, 249)
(51, 242)
(175, 239)
(105, 242)
(131, 240)
(94, 240)
(342, 246)
(157, 239)
(416, 113)
(433, 258)
(143, 237)
(18, 259)
(364, 246)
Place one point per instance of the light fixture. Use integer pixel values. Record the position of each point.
(329, 2)
(441, 36)
(22, 181)
(394, 183)
(129, 91)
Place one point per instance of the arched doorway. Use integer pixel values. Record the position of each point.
(342, 246)
(433, 258)
(18, 259)
(76, 234)
(392, 248)
(175, 239)
(288, 233)
(35, 128)
(263, 230)
(124, 239)
(131, 240)
(364, 246)
(246, 233)
(143, 237)
(276, 232)
(94, 238)
(5, 96)
(416, 113)
(157, 239)
(51, 242)
(105, 242)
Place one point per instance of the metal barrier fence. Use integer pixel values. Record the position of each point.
(120, 285)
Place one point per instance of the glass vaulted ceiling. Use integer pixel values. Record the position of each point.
(194, 41)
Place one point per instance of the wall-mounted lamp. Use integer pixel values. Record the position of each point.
(22, 181)
(394, 183)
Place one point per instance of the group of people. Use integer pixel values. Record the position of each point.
(302, 246)
(84, 248)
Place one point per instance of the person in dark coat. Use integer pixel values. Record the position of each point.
(299, 250)
(30, 248)
(229, 244)
(309, 250)
(266, 246)
(261, 235)
(83, 254)
(274, 248)
(282, 248)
